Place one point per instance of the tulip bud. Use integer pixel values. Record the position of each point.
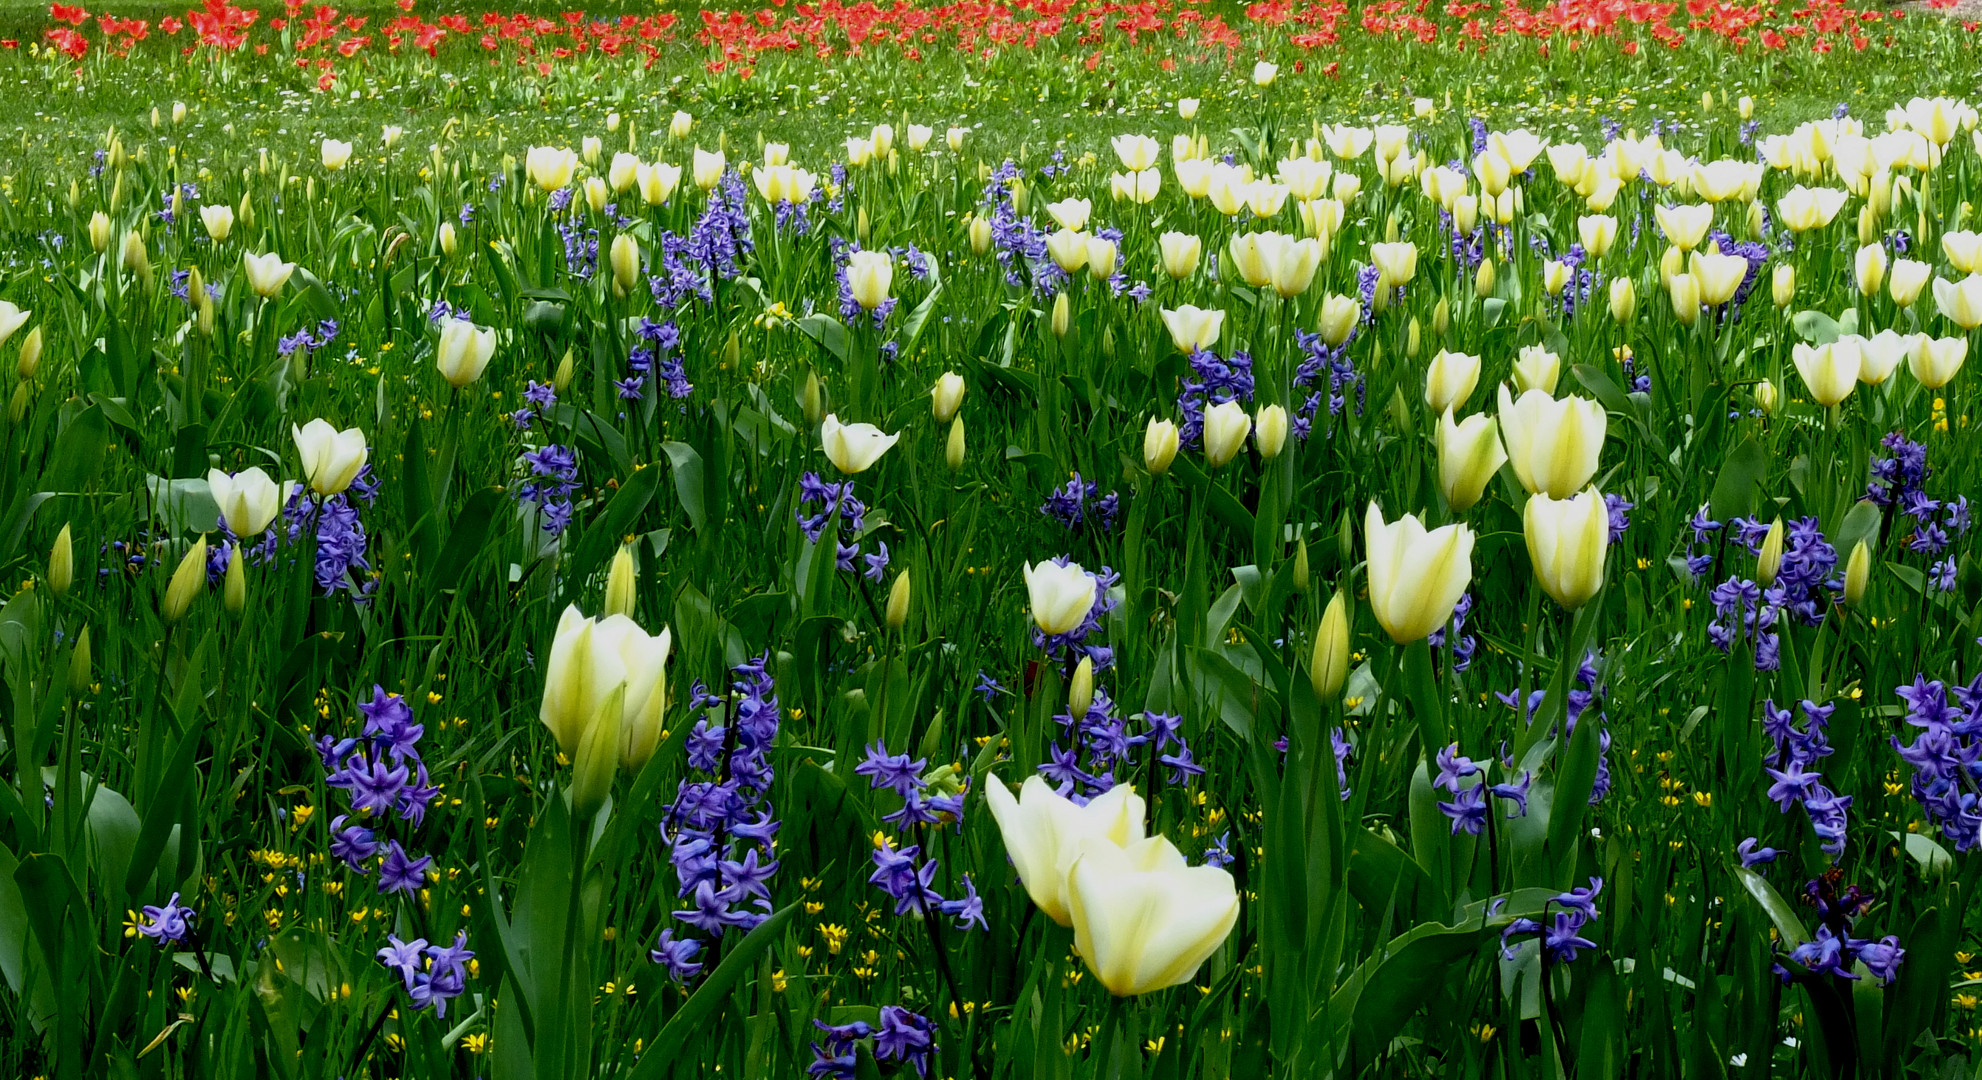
(1765, 397)
(561, 378)
(234, 590)
(1623, 300)
(99, 231)
(449, 244)
(953, 450)
(1483, 279)
(625, 262)
(30, 356)
(1768, 561)
(1782, 286)
(1159, 446)
(620, 583)
(1301, 565)
(809, 402)
(79, 665)
(898, 601)
(1857, 574)
(136, 260)
(598, 758)
(1061, 315)
(1441, 317)
(1329, 666)
(980, 235)
(1080, 689)
(1270, 431)
(1567, 541)
(946, 396)
(1411, 336)
(61, 564)
(1226, 426)
(186, 583)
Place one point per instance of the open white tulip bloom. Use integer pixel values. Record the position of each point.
(248, 500)
(1552, 444)
(1193, 328)
(335, 153)
(590, 660)
(1415, 577)
(219, 221)
(1143, 918)
(331, 458)
(1829, 371)
(1567, 542)
(870, 274)
(1061, 596)
(1044, 830)
(1960, 301)
(267, 274)
(464, 351)
(1450, 380)
(1936, 361)
(853, 448)
(1469, 454)
(550, 167)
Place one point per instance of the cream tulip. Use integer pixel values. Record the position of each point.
(248, 500)
(1226, 426)
(1193, 328)
(1554, 445)
(1060, 595)
(1960, 301)
(1567, 542)
(1270, 431)
(463, 352)
(1684, 226)
(1143, 918)
(1906, 279)
(12, 318)
(1181, 254)
(1718, 276)
(550, 167)
(1782, 285)
(591, 662)
(657, 182)
(1071, 214)
(1829, 372)
(946, 396)
(1068, 250)
(1044, 831)
(853, 448)
(1469, 454)
(334, 154)
(1328, 668)
(1598, 232)
(1880, 355)
(1136, 152)
(1415, 577)
(266, 274)
(1396, 263)
(869, 275)
(707, 168)
(1450, 379)
(1159, 446)
(331, 458)
(1934, 362)
(1264, 73)
(1963, 249)
(1869, 268)
(1536, 368)
(219, 221)
(624, 172)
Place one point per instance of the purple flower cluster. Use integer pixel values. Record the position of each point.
(341, 542)
(383, 779)
(905, 874)
(1900, 479)
(553, 477)
(1561, 937)
(1794, 780)
(1463, 644)
(1804, 586)
(1020, 245)
(433, 974)
(1072, 505)
(308, 338)
(905, 1038)
(1585, 691)
(1216, 381)
(1833, 951)
(537, 401)
(1066, 646)
(719, 829)
(1584, 284)
(1944, 756)
(681, 273)
(1106, 742)
(838, 499)
(1468, 808)
(659, 355)
(166, 925)
(1342, 376)
(720, 240)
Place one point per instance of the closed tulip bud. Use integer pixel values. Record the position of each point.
(1960, 301)
(1159, 446)
(248, 500)
(622, 581)
(1765, 397)
(1567, 542)
(1906, 279)
(99, 231)
(1181, 254)
(1080, 688)
(1857, 574)
(1598, 232)
(954, 138)
(1226, 426)
(1483, 280)
(29, 360)
(597, 757)
(1623, 300)
(1869, 268)
(625, 262)
(1101, 258)
(810, 400)
(136, 259)
(853, 448)
(1829, 372)
(1412, 334)
(266, 274)
(1552, 444)
(707, 168)
(1450, 380)
(79, 666)
(1328, 668)
(1685, 292)
(680, 125)
(1143, 918)
(1062, 316)
(980, 235)
(1415, 577)
(188, 581)
(61, 564)
(1060, 596)
(593, 661)
(331, 458)
(1044, 831)
(1536, 368)
(463, 352)
(1469, 454)
(561, 378)
(624, 172)
(869, 276)
(953, 450)
(590, 148)
(1339, 315)
(946, 396)
(1935, 361)
(234, 588)
(1441, 317)
(1768, 561)
(1300, 580)
(597, 194)
(1270, 431)
(1782, 285)
(898, 600)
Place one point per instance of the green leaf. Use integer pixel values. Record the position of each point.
(469, 535)
(1788, 926)
(828, 332)
(663, 1053)
(78, 453)
(1740, 477)
(688, 481)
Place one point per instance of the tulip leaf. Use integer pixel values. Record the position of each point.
(78, 455)
(1860, 523)
(688, 481)
(1787, 925)
(1390, 987)
(828, 332)
(1741, 475)
(163, 810)
(469, 535)
(661, 1055)
(1816, 327)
